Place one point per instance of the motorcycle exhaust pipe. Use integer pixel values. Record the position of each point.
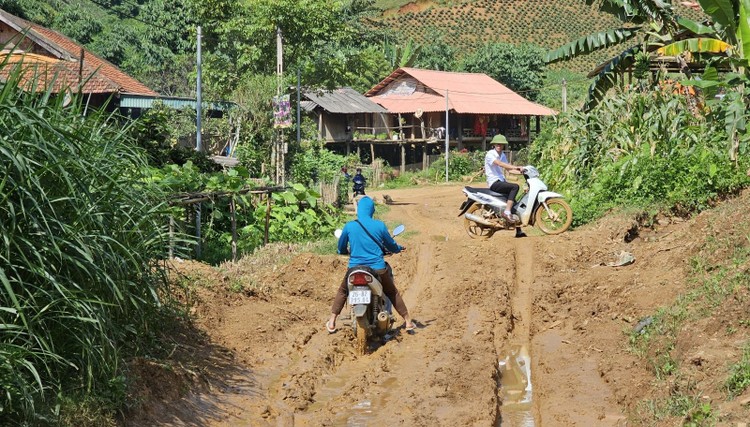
(383, 321)
(478, 220)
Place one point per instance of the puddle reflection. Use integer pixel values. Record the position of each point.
(362, 415)
(515, 388)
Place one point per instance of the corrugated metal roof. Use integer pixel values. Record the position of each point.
(344, 101)
(407, 90)
(307, 105)
(141, 101)
(110, 79)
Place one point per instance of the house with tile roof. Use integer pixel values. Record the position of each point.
(477, 108)
(50, 60)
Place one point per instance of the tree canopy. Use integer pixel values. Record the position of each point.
(521, 68)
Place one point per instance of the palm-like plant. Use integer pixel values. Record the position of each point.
(728, 31)
(401, 55)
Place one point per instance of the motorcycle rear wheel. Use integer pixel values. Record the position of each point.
(474, 230)
(562, 217)
(361, 343)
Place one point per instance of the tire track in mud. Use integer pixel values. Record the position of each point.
(445, 374)
(519, 405)
(464, 305)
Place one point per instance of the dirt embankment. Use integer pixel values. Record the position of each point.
(257, 353)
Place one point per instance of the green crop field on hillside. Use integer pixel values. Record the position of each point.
(469, 23)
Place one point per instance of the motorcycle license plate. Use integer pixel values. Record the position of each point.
(359, 296)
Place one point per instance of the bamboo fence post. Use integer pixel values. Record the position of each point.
(232, 210)
(198, 230)
(403, 159)
(268, 216)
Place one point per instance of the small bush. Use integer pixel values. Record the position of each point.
(739, 377)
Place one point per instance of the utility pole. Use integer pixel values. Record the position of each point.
(299, 139)
(198, 139)
(447, 131)
(280, 146)
(564, 96)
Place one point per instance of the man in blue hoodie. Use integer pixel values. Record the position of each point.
(364, 250)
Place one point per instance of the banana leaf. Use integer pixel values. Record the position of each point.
(743, 29)
(695, 45)
(722, 12)
(607, 78)
(592, 43)
(695, 27)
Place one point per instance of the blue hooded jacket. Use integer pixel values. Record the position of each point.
(363, 250)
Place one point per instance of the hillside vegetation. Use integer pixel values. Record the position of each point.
(466, 25)
(469, 23)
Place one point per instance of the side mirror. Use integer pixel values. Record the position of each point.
(398, 230)
(337, 233)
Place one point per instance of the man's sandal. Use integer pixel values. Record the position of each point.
(328, 328)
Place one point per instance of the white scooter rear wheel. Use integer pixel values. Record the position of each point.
(474, 230)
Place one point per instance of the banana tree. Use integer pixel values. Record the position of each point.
(726, 33)
(647, 22)
(401, 55)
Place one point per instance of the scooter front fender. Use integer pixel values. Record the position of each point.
(545, 195)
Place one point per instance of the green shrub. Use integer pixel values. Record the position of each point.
(739, 377)
(296, 216)
(638, 149)
(460, 164)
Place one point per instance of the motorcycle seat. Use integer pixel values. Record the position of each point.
(485, 191)
(364, 268)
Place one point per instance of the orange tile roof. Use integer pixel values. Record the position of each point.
(407, 90)
(39, 72)
(107, 78)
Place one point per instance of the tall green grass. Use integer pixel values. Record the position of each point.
(80, 240)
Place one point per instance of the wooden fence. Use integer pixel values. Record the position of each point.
(195, 200)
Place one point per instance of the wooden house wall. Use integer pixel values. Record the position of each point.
(334, 127)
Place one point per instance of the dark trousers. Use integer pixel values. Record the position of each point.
(505, 187)
(386, 279)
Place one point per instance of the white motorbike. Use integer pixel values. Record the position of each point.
(483, 209)
(370, 310)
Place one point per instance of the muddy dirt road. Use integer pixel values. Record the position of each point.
(481, 306)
